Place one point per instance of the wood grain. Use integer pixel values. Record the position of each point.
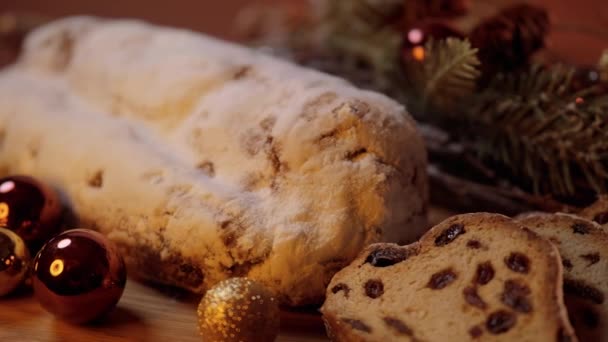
(144, 313)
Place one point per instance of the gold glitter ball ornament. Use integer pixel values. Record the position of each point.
(238, 310)
(14, 261)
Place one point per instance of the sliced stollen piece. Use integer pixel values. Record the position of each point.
(472, 277)
(204, 160)
(597, 212)
(583, 246)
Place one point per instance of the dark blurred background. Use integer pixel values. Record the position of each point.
(580, 34)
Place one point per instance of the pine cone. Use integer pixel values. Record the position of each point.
(507, 40)
(416, 10)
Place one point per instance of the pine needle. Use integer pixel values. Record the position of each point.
(447, 74)
(546, 133)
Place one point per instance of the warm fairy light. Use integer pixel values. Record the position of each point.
(64, 243)
(415, 36)
(579, 100)
(7, 186)
(56, 267)
(4, 210)
(418, 53)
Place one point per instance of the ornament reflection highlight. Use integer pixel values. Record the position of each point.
(7, 186)
(56, 267)
(64, 243)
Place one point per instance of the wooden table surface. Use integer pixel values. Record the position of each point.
(144, 314)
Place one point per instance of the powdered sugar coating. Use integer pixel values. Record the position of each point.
(210, 160)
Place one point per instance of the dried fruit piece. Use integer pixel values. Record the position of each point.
(398, 326)
(341, 287)
(450, 234)
(580, 228)
(516, 296)
(374, 288)
(357, 325)
(500, 322)
(518, 262)
(472, 297)
(475, 331)
(387, 256)
(485, 273)
(442, 279)
(592, 258)
(474, 244)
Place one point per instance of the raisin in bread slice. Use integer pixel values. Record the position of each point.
(472, 277)
(583, 246)
(597, 212)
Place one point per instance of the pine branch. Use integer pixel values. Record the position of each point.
(548, 136)
(446, 75)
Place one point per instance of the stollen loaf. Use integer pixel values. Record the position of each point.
(204, 160)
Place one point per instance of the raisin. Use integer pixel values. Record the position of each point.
(500, 322)
(207, 168)
(583, 290)
(567, 264)
(485, 273)
(475, 332)
(474, 244)
(96, 180)
(387, 256)
(357, 325)
(518, 262)
(581, 228)
(398, 326)
(351, 156)
(516, 295)
(472, 297)
(341, 287)
(601, 218)
(592, 258)
(450, 234)
(442, 279)
(374, 288)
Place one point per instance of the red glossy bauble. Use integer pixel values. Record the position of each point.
(29, 208)
(79, 276)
